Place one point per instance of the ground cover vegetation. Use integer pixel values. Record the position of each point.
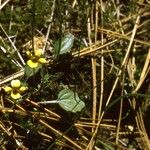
(74, 74)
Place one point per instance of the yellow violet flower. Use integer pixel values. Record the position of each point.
(35, 59)
(15, 89)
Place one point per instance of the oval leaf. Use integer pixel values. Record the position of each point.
(65, 46)
(70, 101)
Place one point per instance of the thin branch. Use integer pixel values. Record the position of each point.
(3, 5)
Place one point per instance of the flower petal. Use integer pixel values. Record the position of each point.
(7, 89)
(38, 52)
(32, 64)
(23, 88)
(42, 60)
(15, 96)
(15, 83)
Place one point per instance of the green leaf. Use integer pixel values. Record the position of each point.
(70, 101)
(30, 71)
(65, 46)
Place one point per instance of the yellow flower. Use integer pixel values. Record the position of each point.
(36, 59)
(15, 89)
